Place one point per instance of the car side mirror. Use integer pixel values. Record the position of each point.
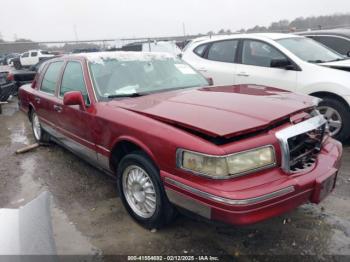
(73, 98)
(282, 63)
(348, 53)
(210, 81)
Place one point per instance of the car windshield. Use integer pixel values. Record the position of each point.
(310, 50)
(122, 75)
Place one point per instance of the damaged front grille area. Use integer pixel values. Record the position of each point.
(301, 143)
(304, 148)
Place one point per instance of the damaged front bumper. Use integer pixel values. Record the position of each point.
(262, 201)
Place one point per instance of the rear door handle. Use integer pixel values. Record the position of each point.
(37, 100)
(57, 108)
(202, 69)
(243, 74)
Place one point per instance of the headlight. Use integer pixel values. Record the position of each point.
(227, 166)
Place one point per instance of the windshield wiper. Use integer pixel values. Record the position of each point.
(316, 61)
(128, 95)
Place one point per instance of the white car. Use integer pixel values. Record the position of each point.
(285, 61)
(32, 57)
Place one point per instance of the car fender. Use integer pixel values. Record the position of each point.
(137, 142)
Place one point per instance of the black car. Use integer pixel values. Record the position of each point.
(11, 80)
(336, 39)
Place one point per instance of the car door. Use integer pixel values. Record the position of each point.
(24, 59)
(217, 61)
(256, 66)
(46, 99)
(33, 58)
(74, 123)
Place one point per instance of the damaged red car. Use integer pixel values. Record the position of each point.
(236, 154)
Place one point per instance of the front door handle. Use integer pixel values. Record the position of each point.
(37, 100)
(243, 74)
(57, 108)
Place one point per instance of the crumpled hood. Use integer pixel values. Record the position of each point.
(219, 111)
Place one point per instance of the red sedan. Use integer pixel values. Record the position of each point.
(238, 154)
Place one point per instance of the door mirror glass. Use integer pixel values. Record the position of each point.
(282, 63)
(74, 98)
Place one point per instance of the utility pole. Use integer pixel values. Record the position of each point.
(75, 32)
(183, 28)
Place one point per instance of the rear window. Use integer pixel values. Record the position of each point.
(50, 79)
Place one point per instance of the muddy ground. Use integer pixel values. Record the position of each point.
(88, 217)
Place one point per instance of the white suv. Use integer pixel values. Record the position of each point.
(32, 57)
(290, 62)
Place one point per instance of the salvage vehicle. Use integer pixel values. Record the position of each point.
(336, 39)
(236, 154)
(7, 87)
(290, 62)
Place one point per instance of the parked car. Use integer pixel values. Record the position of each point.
(237, 154)
(153, 46)
(2, 59)
(293, 63)
(12, 79)
(336, 39)
(32, 57)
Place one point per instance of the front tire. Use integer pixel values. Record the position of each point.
(338, 117)
(39, 134)
(142, 192)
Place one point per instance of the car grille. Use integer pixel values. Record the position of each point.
(301, 143)
(304, 148)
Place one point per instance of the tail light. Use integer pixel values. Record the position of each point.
(10, 77)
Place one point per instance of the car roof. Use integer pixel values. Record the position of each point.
(261, 36)
(340, 32)
(121, 55)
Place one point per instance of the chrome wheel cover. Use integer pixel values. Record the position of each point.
(36, 127)
(139, 191)
(333, 118)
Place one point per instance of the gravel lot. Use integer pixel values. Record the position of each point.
(88, 217)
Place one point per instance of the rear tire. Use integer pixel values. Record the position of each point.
(336, 113)
(142, 192)
(39, 133)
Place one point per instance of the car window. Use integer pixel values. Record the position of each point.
(259, 53)
(25, 55)
(73, 80)
(341, 45)
(33, 54)
(51, 77)
(223, 51)
(199, 50)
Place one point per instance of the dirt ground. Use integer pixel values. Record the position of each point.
(88, 217)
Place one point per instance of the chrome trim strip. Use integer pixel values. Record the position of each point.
(180, 151)
(247, 201)
(180, 200)
(300, 128)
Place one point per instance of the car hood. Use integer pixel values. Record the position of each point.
(222, 111)
(342, 65)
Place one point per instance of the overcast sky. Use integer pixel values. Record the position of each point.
(48, 20)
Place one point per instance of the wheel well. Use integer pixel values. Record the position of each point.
(122, 149)
(330, 95)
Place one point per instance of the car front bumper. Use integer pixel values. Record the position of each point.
(259, 202)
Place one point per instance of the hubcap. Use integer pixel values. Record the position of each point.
(139, 191)
(36, 127)
(333, 118)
